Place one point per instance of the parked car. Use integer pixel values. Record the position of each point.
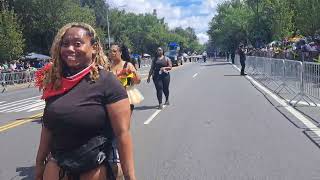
(174, 57)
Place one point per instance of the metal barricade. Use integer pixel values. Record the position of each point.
(285, 71)
(293, 75)
(13, 78)
(311, 79)
(299, 78)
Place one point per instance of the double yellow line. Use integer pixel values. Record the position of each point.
(19, 122)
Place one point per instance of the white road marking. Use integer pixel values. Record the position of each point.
(148, 121)
(196, 74)
(15, 107)
(18, 102)
(289, 108)
(37, 108)
(23, 105)
(23, 108)
(5, 106)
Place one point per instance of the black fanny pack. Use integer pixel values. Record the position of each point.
(85, 158)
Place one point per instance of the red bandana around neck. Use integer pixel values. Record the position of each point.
(66, 84)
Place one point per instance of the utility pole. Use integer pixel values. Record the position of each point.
(108, 25)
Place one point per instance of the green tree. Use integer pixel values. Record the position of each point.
(230, 26)
(307, 16)
(41, 20)
(11, 38)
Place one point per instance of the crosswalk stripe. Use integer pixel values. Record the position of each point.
(17, 102)
(37, 108)
(28, 104)
(15, 106)
(5, 106)
(26, 107)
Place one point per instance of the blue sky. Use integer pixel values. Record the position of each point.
(183, 13)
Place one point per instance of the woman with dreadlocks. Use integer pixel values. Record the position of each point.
(86, 108)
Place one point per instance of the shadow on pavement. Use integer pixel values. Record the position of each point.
(141, 108)
(34, 120)
(232, 75)
(26, 173)
(215, 64)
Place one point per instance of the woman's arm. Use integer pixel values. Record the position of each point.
(43, 151)
(119, 113)
(169, 66)
(151, 70)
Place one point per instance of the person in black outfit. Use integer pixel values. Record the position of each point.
(139, 61)
(242, 59)
(160, 67)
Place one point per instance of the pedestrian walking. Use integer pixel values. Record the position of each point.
(242, 55)
(126, 72)
(86, 108)
(160, 67)
(139, 61)
(204, 56)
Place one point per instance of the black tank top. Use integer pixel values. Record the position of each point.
(159, 63)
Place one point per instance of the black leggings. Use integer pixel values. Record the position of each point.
(243, 66)
(161, 83)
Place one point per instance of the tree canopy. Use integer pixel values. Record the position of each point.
(258, 22)
(32, 25)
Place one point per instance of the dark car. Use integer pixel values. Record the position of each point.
(174, 57)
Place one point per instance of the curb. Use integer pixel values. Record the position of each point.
(9, 88)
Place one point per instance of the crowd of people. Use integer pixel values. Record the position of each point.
(294, 48)
(19, 65)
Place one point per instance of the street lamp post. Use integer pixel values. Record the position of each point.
(108, 22)
(108, 26)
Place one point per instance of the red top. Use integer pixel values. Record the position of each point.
(66, 84)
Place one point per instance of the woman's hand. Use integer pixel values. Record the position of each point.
(136, 77)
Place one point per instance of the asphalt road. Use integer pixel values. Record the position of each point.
(217, 127)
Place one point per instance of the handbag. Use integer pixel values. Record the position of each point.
(134, 95)
(86, 157)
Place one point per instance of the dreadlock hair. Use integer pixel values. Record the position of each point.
(100, 60)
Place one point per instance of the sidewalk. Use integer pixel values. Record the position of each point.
(7, 88)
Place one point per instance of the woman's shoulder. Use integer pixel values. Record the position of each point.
(105, 74)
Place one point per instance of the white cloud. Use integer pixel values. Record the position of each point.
(203, 38)
(196, 16)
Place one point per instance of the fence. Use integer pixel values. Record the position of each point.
(301, 79)
(11, 78)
